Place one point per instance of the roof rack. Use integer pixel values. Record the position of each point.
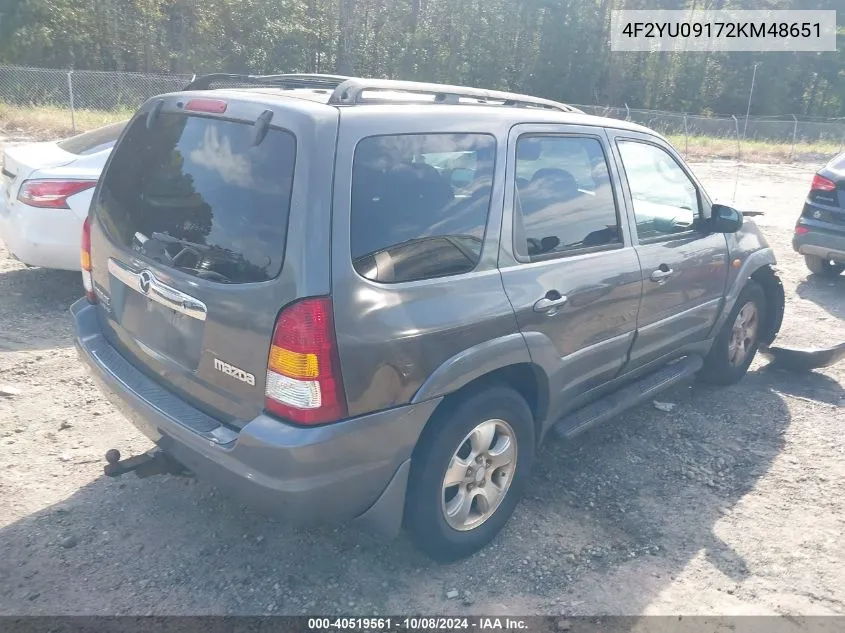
(350, 90)
(329, 82)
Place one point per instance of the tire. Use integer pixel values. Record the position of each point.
(449, 434)
(719, 368)
(823, 267)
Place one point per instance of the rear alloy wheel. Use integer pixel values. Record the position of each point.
(823, 267)
(479, 475)
(738, 340)
(468, 472)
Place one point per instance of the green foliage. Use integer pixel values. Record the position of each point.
(552, 48)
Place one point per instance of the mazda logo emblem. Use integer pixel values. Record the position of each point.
(144, 280)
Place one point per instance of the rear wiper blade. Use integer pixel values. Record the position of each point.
(169, 239)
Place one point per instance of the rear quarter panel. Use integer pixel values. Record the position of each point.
(392, 337)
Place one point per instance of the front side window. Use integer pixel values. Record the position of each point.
(665, 199)
(564, 199)
(420, 204)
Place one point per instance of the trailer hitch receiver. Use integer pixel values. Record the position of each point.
(154, 462)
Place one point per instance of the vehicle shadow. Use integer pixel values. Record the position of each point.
(34, 308)
(826, 293)
(647, 488)
(808, 386)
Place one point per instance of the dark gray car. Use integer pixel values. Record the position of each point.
(820, 230)
(372, 300)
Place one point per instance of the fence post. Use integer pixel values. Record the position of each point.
(686, 137)
(627, 113)
(738, 148)
(70, 94)
(794, 134)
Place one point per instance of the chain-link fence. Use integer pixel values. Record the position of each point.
(697, 135)
(82, 91)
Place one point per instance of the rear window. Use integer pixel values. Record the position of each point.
(196, 194)
(94, 141)
(838, 162)
(420, 204)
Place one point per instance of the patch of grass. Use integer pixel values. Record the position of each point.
(753, 151)
(52, 122)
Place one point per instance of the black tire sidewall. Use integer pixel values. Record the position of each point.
(718, 368)
(820, 266)
(424, 515)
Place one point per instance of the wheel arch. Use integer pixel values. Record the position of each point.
(761, 267)
(528, 379)
(768, 278)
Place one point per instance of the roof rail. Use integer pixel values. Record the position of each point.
(351, 91)
(301, 80)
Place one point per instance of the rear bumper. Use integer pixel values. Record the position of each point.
(820, 241)
(41, 237)
(354, 469)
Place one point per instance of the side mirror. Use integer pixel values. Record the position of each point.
(724, 219)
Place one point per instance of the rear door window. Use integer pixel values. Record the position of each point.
(564, 198)
(94, 141)
(194, 193)
(420, 204)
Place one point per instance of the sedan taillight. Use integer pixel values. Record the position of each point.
(51, 193)
(820, 183)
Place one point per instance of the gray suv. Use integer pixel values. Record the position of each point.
(345, 298)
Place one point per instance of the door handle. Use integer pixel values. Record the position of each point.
(551, 301)
(662, 273)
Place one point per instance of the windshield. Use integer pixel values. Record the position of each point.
(197, 194)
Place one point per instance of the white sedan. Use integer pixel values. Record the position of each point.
(45, 191)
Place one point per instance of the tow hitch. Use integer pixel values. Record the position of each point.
(154, 462)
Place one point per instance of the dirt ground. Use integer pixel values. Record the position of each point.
(733, 503)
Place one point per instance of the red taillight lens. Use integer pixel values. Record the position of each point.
(820, 183)
(303, 372)
(801, 230)
(51, 194)
(87, 278)
(213, 106)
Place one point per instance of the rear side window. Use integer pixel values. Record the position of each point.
(420, 204)
(196, 194)
(564, 197)
(94, 141)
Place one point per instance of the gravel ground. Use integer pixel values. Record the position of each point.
(730, 504)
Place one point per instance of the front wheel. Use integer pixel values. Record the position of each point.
(738, 340)
(469, 472)
(823, 267)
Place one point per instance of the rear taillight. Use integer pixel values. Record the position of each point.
(87, 278)
(304, 384)
(820, 183)
(52, 194)
(801, 230)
